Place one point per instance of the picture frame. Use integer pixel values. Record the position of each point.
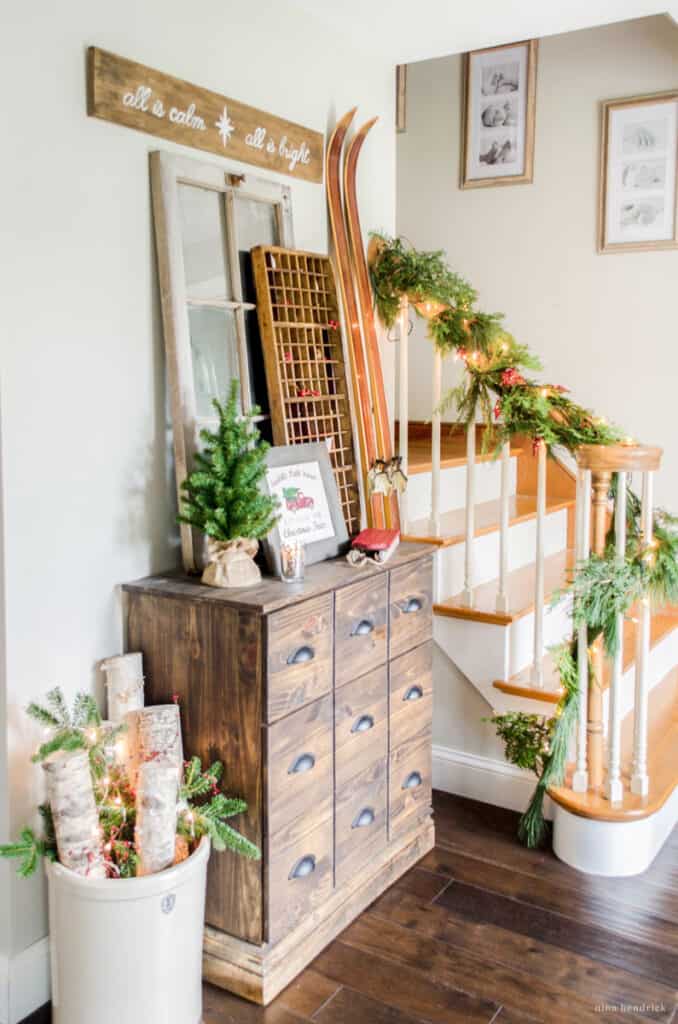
(499, 114)
(301, 476)
(638, 195)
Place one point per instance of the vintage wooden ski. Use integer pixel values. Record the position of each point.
(362, 283)
(360, 381)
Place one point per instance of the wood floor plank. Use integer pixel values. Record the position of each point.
(499, 846)
(550, 964)
(643, 894)
(591, 941)
(349, 1007)
(473, 974)
(547, 895)
(410, 990)
(308, 993)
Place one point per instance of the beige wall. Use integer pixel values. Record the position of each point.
(88, 485)
(606, 326)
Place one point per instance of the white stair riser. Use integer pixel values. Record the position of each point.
(522, 546)
(557, 627)
(479, 650)
(484, 652)
(663, 657)
(453, 488)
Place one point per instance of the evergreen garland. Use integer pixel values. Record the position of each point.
(222, 496)
(401, 270)
(493, 358)
(532, 829)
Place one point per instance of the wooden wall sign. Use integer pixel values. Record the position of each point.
(131, 94)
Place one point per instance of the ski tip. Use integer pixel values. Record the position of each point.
(364, 129)
(345, 121)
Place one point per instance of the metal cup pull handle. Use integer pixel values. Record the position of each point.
(364, 818)
(415, 692)
(411, 605)
(363, 723)
(303, 867)
(303, 763)
(412, 781)
(301, 655)
(363, 628)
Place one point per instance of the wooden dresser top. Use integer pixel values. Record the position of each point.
(272, 594)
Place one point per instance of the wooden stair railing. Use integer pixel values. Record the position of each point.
(599, 463)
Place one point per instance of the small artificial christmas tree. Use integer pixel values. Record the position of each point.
(223, 499)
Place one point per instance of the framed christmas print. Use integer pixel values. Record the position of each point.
(500, 86)
(639, 145)
(300, 476)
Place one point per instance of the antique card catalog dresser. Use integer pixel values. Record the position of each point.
(317, 698)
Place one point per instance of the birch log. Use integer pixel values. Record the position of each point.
(70, 795)
(124, 684)
(156, 822)
(154, 732)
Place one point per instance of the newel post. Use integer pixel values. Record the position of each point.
(603, 461)
(600, 488)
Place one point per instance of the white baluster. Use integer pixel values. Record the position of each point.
(615, 791)
(640, 782)
(403, 401)
(435, 440)
(502, 596)
(537, 665)
(470, 526)
(580, 779)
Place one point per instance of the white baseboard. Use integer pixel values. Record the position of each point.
(24, 982)
(484, 778)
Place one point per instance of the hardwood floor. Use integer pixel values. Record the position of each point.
(484, 931)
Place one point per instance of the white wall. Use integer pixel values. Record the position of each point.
(604, 325)
(88, 488)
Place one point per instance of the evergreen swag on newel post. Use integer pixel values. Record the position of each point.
(223, 498)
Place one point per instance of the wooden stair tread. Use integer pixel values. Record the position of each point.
(519, 685)
(487, 514)
(662, 763)
(452, 451)
(520, 585)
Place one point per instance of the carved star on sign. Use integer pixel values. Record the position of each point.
(225, 126)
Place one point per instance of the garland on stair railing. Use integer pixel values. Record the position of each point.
(510, 403)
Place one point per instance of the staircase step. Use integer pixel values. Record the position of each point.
(663, 622)
(520, 591)
(662, 763)
(452, 449)
(522, 507)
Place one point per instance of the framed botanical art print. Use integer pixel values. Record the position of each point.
(638, 174)
(500, 87)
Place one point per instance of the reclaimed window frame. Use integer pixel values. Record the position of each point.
(169, 172)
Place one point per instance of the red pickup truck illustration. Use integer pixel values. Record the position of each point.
(295, 499)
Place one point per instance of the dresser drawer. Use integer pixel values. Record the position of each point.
(409, 786)
(299, 656)
(299, 757)
(361, 820)
(300, 878)
(360, 724)
(360, 628)
(411, 621)
(411, 695)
